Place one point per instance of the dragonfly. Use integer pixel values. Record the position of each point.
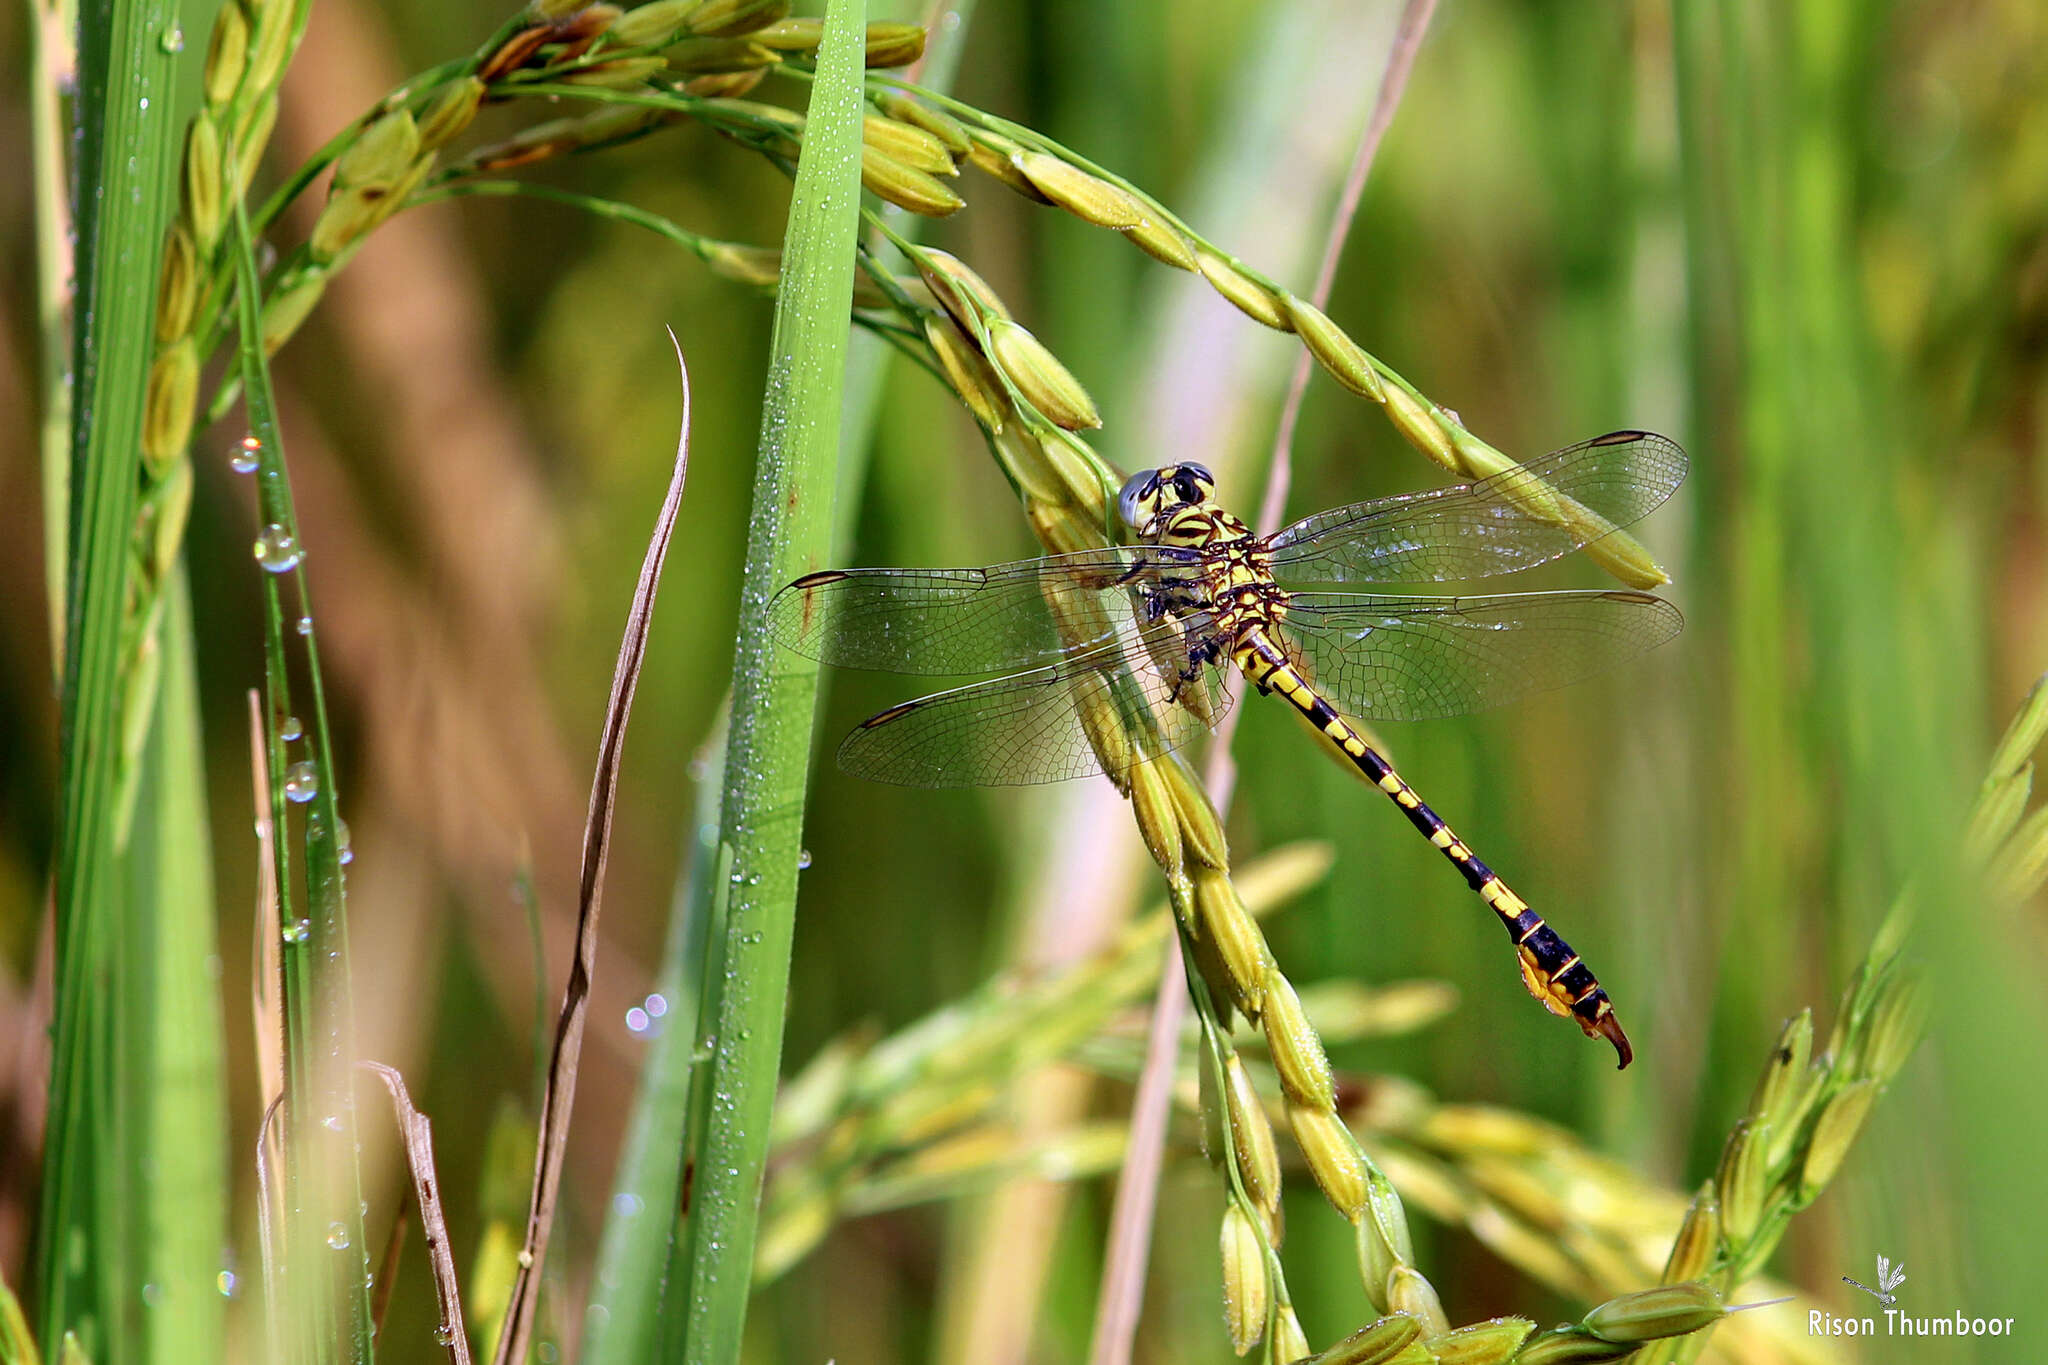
(1137, 639)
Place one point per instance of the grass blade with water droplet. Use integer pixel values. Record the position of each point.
(323, 1181)
(747, 973)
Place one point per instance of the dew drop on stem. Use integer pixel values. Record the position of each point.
(277, 550)
(301, 782)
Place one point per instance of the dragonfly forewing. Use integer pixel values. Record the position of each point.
(1522, 517)
(1024, 614)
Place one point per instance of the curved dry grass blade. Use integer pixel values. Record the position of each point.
(560, 1096)
(269, 1218)
(266, 1010)
(419, 1155)
(1137, 1190)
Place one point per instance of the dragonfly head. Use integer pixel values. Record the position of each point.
(1151, 494)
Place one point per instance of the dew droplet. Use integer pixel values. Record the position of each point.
(626, 1204)
(444, 1335)
(276, 550)
(657, 1005)
(803, 859)
(305, 626)
(337, 1236)
(225, 1282)
(301, 781)
(332, 1123)
(636, 1019)
(173, 40)
(291, 729)
(297, 931)
(342, 848)
(152, 1294)
(244, 458)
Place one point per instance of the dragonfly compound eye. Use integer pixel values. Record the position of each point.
(1135, 504)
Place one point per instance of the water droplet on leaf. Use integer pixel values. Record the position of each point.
(301, 781)
(276, 550)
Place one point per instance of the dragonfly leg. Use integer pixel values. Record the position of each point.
(1202, 652)
(1552, 971)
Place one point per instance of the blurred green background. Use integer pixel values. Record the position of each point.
(1810, 241)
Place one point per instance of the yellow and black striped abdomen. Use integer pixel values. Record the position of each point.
(1554, 974)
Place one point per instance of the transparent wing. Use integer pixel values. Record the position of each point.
(1477, 530)
(959, 621)
(1416, 658)
(1036, 726)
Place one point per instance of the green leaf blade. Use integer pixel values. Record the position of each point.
(747, 973)
(126, 159)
